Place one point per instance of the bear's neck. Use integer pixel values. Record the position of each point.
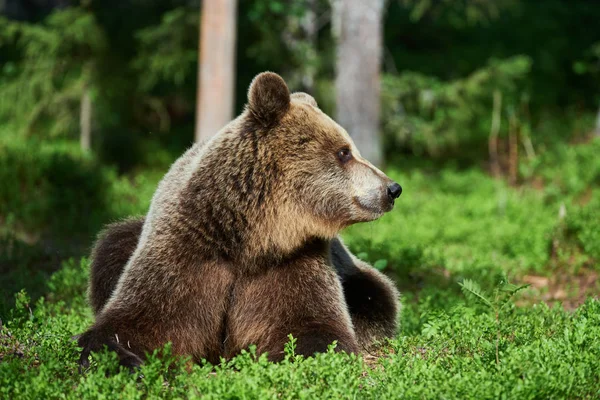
(250, 242)
(237, 209)
(235, 204)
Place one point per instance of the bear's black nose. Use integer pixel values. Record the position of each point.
(394, 190)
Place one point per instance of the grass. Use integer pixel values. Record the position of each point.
(450, 226)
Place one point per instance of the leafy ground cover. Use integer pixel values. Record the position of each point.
(459, 244)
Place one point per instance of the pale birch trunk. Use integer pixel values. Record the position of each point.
(358, 25)
(216, 67)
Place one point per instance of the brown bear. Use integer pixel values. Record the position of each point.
(240, 244)
(371, 297)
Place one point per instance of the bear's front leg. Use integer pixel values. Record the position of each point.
(303, 298)
(372, 298)
(96, 338)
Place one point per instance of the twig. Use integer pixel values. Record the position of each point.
(497, 336)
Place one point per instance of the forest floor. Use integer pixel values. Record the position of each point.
(455, 236)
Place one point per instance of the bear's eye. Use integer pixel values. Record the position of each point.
(344, 155)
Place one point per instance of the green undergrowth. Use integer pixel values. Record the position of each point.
(451, 224)
(542, 353)
(452, 229)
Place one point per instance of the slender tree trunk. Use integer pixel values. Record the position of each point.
(216, 67)
(359, 51)
(494, 132)
(513, 150)
(85, 120)
(525, 132)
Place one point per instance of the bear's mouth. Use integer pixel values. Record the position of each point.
(378, 210)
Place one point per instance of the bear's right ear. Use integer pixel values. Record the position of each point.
(268, 98)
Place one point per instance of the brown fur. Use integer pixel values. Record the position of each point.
(371, 297)
(235, 247)
(113, 248)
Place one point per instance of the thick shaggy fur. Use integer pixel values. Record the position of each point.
(236, 247)
(114, 247)
(371, 297)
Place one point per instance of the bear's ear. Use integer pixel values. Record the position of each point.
(305, 98)
(268, 98)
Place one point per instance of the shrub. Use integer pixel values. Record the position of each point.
(427, 115)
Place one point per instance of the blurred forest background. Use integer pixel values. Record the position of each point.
(479, 99)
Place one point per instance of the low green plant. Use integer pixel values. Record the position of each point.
(497, 302)
(543, 352)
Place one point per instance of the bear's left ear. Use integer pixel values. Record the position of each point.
(268, 98)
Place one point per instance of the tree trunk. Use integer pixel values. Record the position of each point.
(85, 120)
(359, 50)
(216, 67)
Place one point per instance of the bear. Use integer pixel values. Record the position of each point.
(371, 297)
(240, 244)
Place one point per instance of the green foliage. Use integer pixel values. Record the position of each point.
(56, 188)
(502, 293)
(58, 63)
(168, 52)
(458, 13)
(458, 361)
(453, 357)
(35, 186)
(70, 281)
(429, 116)
(380, 264)
(462, 220)
(445, 43)
(570, 176)
(583, 225)
(590, 63)
(53, 201)
(296, 42)
(566, 171)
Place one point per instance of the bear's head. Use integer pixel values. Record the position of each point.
(289, 172)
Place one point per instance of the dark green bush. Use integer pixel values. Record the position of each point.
(53, 201)
(51, 188)
(427, 115)
(58, 190)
